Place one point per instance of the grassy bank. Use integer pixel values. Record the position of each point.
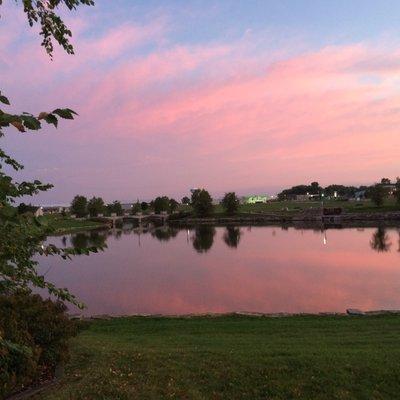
(68, 225)
(235, 357)
(293, 207)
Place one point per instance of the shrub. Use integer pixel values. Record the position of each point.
(33, 340)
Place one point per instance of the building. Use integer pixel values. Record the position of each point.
(359, 195)
(38, 212)
(302, 197)
(255, 199)
(127, 208)
(55, 209)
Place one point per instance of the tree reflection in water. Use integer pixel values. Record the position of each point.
(164, 234)
(232, 236)
(380, 240)
(203, 238)
(83, 240)
(398, 249)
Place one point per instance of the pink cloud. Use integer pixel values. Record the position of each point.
(253, 117)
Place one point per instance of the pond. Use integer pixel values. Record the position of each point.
(224, 269)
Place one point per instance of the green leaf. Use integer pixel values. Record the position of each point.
(72, 111)
(31, 122)
(52, 119)
(4, 100)
(65, 113)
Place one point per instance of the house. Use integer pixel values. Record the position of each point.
(127, 208)
(390, 188)
(255, 199)
(55, 209)
(302, 197)
(38, 212)
(359, 195)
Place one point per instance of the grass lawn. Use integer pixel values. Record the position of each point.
(235, 357)
(292, 207)
(67, 225)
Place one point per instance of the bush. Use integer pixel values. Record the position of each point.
(33, 340)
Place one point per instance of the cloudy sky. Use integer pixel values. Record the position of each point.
(242, 95)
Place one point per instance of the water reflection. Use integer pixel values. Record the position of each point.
(165, 233)
(232, 236)
(83, 240)
(172, 270)
(203, 238)
(380, 240)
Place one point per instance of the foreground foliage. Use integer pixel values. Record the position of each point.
(35, 334)
(24, 346)
(235, 357)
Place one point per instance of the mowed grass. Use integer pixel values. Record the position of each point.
(235, 357)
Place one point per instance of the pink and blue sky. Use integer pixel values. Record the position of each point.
(246, 96)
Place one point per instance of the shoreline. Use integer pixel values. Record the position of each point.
(346, 219)
(349, 313)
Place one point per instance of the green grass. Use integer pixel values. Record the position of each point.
(235, 357)
(68, 225)
(292, 207)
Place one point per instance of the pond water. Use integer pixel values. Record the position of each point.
(220, 269)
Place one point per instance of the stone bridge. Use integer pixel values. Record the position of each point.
(138, 219)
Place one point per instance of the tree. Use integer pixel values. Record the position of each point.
(185, 200)
(95, 206)
(377, 194)
(202, 202)
(115, 208)
(20, 240)
(136, 208)
(173, 205)
(160, 204)
(385, 181)
(315, 188)
(286, 194)
(26, 208)
(52, 26)
(144, 206)
(397, 191)
(79, 206)
(230, 202)
(21, 236)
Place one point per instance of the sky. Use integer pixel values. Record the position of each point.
(243, 95)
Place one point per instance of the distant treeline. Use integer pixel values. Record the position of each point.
(341, 191)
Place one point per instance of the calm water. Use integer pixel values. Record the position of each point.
(263, 269)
